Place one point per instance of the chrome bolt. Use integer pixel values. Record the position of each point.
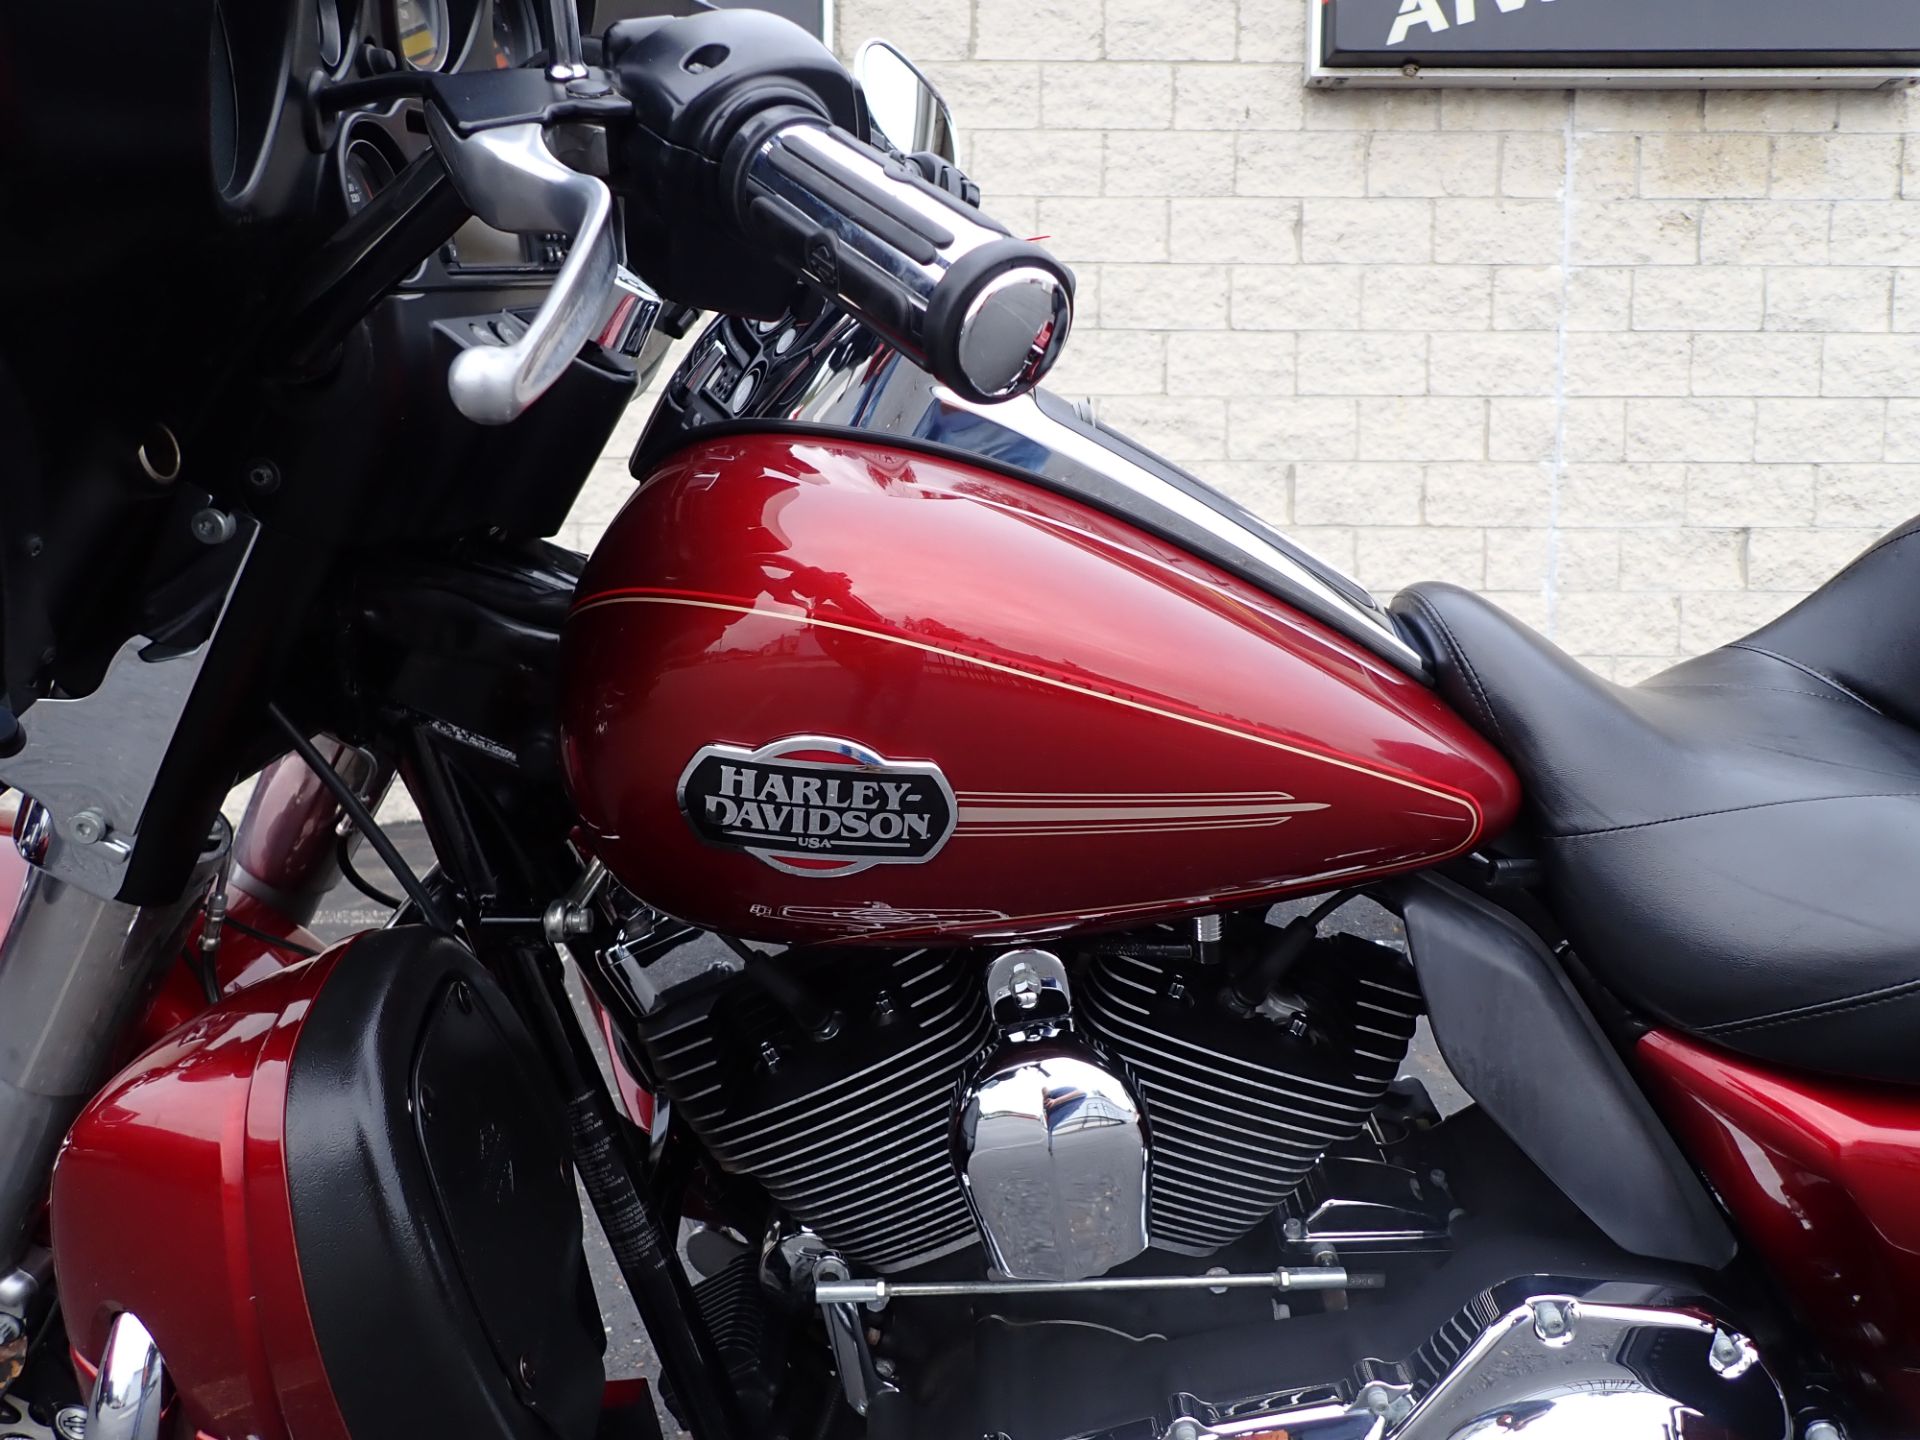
(562, 920)
(1024, 985)
(1731, 1355)
(884, 1369)
(1824, 1430)
(212, 527)
(70, 1422)
(1295, 1230)
(89, 827)
(1184, 1429)
(1553, 1321)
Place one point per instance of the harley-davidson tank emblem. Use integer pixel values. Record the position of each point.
(813, 805)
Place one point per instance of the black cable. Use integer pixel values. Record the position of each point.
(819, 1020)
(362, 817)
(643, 1248)
(343, 855)
(276, 942)
(1278, 954)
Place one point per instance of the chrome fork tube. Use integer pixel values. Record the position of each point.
(74, 972)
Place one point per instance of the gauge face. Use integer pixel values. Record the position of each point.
(514, 37)
(364, 172)
(422, 27)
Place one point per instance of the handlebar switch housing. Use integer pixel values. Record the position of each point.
(692, 83)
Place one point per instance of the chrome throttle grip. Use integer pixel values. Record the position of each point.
(511, 180)
(986, 313)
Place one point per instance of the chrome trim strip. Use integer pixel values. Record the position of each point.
(1026, 417)
(832, 373)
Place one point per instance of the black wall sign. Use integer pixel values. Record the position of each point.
(1744, 35)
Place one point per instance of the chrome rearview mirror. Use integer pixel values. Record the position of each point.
(904, 107)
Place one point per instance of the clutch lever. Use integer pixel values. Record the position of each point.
(510, 178)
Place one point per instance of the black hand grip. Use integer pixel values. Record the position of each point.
(985, 313)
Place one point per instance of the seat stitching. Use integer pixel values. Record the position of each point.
(1459, 654)
(1750, 690)
(1823, 678)
(1818, 1011)
(1735, 810)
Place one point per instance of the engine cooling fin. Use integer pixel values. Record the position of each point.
(1240, 1109)
(850, 1134)
(734, 1305)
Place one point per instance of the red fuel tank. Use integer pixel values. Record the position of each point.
(825, 689)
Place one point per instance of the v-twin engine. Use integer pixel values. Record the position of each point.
(1067, 1109)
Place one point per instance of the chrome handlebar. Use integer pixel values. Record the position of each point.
(509, 178)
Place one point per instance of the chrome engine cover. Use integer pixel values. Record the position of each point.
(1050, 1141)
(1052, 1132)
(1556, 1359)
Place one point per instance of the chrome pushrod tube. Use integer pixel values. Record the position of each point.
(879, 1292)
(74, 972)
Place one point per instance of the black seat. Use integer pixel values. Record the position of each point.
(1733, 845)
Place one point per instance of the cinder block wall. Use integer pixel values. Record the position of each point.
(1643, 366)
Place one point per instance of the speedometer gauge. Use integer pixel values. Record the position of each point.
(514, 37)
(364, 172)
(421, 30)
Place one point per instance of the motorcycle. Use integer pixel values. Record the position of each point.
(909, 780)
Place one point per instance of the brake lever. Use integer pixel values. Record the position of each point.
(509, 177)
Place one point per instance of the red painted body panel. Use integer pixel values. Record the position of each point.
(634, 1096)
(170, 1200)
(1823, 1178)
(13, 874)
(1129, 732)
(242, 960)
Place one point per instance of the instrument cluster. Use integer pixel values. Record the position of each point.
(374, 145)
(460, 34)
(428, 34)
(268, 62)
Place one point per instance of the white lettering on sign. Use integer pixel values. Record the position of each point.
(1430, 14)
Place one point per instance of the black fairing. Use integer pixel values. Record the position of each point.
(694, 81)
(1517, 1036)
(434, 1206)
